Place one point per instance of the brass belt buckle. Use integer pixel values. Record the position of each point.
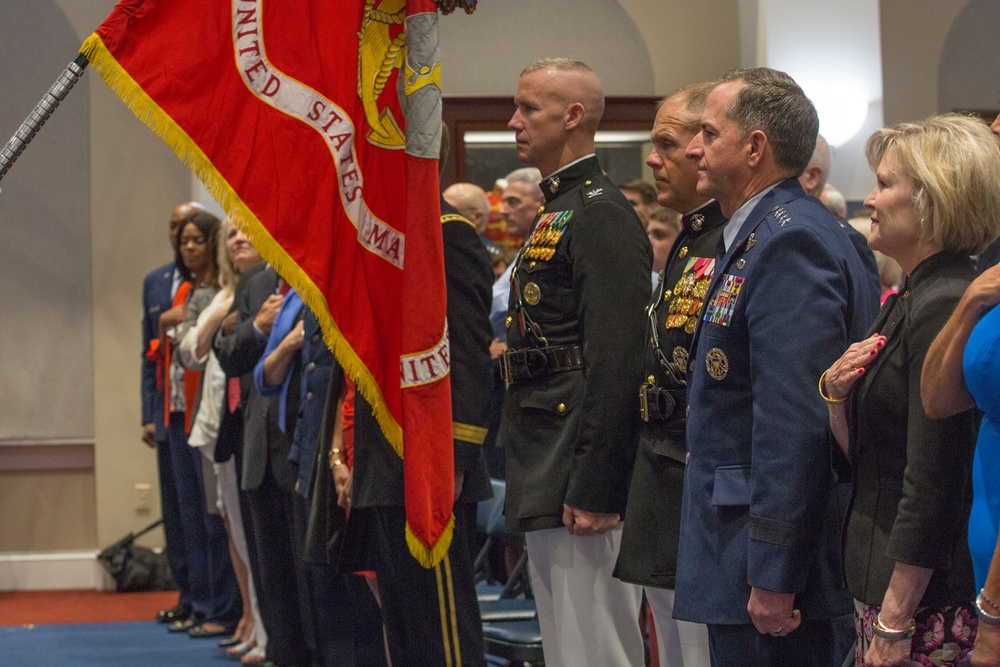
(644, 401)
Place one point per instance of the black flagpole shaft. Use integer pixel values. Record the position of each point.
(41, 113)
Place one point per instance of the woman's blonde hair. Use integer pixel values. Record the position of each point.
(228, 273)
(954, 161)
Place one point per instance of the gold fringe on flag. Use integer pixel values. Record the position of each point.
(430, 556)
(188, 152)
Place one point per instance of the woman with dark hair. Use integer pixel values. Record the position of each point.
(216, 601)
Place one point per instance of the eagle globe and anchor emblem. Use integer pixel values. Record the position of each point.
(379, 54)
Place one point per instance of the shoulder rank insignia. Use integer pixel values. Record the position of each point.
(541, 245)
(595, 192)
(781, 215)
(720, 308)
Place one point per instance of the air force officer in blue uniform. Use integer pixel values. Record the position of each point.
(759, 557)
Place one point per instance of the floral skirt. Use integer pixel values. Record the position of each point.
(944, 635)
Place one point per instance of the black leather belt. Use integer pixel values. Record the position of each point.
(519, 365)
(657, 403)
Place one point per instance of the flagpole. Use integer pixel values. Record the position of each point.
(41, 113)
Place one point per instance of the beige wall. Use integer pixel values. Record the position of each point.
(687, 40)
(913, 35)
(134, 182)
(54, 511)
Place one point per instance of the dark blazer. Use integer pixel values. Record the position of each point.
(860, 244)
(570, 436)
(912, 490)
(319, 367)
(264, 445)
(648, 553)
(786, 300)
(156, 298)
(469, 280)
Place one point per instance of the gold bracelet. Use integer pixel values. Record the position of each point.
(828, 399)
(881, 630)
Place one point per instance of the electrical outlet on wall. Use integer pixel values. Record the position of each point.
(142, 498)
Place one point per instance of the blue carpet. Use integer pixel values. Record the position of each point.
(143, 643)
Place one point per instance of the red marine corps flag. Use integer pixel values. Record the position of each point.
(317, 125)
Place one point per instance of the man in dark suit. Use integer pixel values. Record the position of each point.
(267, 478)
(759, 557)
(431, 615)
(813, 179)
(158, 290)
(649, 540)
(574, 332)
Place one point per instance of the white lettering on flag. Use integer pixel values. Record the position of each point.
(332, 123)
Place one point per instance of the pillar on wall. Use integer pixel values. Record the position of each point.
(833, 50)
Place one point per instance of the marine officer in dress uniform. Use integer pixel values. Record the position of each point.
(759, 558)
(574, 331)
(649, 540)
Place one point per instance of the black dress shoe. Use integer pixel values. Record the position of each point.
(181, 626)
(178, 613)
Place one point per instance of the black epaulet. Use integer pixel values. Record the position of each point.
(455, 217)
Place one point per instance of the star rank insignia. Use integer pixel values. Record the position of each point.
(781, 215)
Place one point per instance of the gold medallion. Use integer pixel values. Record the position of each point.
(717, 363)
(510, 321)
(681, 358)
(532, 294)
(683, 252)
(692, 323)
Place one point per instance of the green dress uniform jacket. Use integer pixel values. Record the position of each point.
(575, 327)
(648, 553)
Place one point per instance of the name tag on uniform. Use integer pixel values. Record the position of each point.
(720, 308)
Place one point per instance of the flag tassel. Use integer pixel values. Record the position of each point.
(430, 556)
